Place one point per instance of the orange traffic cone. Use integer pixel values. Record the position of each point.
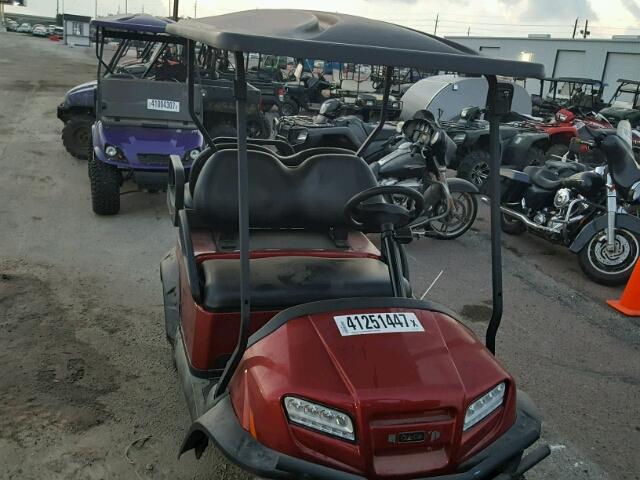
(629, 303)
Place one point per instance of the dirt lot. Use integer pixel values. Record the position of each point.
(88, 389)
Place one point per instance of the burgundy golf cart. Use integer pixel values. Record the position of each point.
(300, 346)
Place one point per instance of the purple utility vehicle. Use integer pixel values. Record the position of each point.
(140, 122)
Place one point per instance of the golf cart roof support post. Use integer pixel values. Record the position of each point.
(191, 74)
(494, 197)
(240, 89)
(383, 112)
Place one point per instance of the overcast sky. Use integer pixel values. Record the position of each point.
(456, 17)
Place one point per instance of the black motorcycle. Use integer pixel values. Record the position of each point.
(420, 162)
(593, 212)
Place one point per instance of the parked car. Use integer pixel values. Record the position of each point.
(25, 28)
(59, 31)
(39, 31)
(11, 26)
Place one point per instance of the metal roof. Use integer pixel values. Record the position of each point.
(345, 38)
(139, 22)
(584, 81)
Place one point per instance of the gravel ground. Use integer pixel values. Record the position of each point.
(88, 389)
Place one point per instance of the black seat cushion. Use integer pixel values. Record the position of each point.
(282, 282)
(311, 196)
(544, 177)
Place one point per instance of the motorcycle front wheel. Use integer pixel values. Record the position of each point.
(460, 218)
(610, 267)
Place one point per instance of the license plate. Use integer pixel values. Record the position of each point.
(163, 105)
(369, 323)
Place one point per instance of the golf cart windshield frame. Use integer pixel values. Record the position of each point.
(573, 82)
(347, 39)
(633, 89)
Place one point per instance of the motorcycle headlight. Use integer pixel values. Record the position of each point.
(193, 154)
(111, 151)
(302, 135)
(459, 138)
(319, 418)
(434, 138)
(484, 406)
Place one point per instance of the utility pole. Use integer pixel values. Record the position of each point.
(585, 33)
(195, 9)
(435, 30)
(169, 11)
(175, 10)
(469, 31)
(96, 8)
(575, 28)
(126, 9)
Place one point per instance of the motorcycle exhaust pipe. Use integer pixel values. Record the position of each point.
(524, 219)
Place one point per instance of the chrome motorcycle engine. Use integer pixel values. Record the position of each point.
(562, 198)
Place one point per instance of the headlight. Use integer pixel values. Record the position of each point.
(318, 417)
(111, 151)
(302, 135)
(369, 103)
(193, 154)
(484, 406)
(459, 137)
(435, 137)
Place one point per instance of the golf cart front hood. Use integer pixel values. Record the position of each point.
(142, 147)
(82, 95)
(392, 385)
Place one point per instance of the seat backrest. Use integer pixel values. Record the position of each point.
(311, 196)
(297, 158)
(144, 102)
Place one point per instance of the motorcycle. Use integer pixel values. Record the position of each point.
(420, 162)
(593, 212)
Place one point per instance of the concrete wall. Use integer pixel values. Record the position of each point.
(605, 60)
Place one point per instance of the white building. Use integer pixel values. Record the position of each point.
(600, 59)
(77, 30)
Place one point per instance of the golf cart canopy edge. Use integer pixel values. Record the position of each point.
(133, 23)
(346, 38)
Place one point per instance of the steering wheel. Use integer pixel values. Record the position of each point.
(370, 212)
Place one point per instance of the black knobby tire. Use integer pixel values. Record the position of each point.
(76, 136)
(475, 167)
(535, 157)
(288, 108)
(223, 130)
(512, 226)
(607, 268)
(105, 187)
(556, 150)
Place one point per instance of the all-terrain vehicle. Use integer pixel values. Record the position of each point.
(521, 146)
(78, 109)
(304, 354)
(338, 124)
(625, 104)
(580, 95)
